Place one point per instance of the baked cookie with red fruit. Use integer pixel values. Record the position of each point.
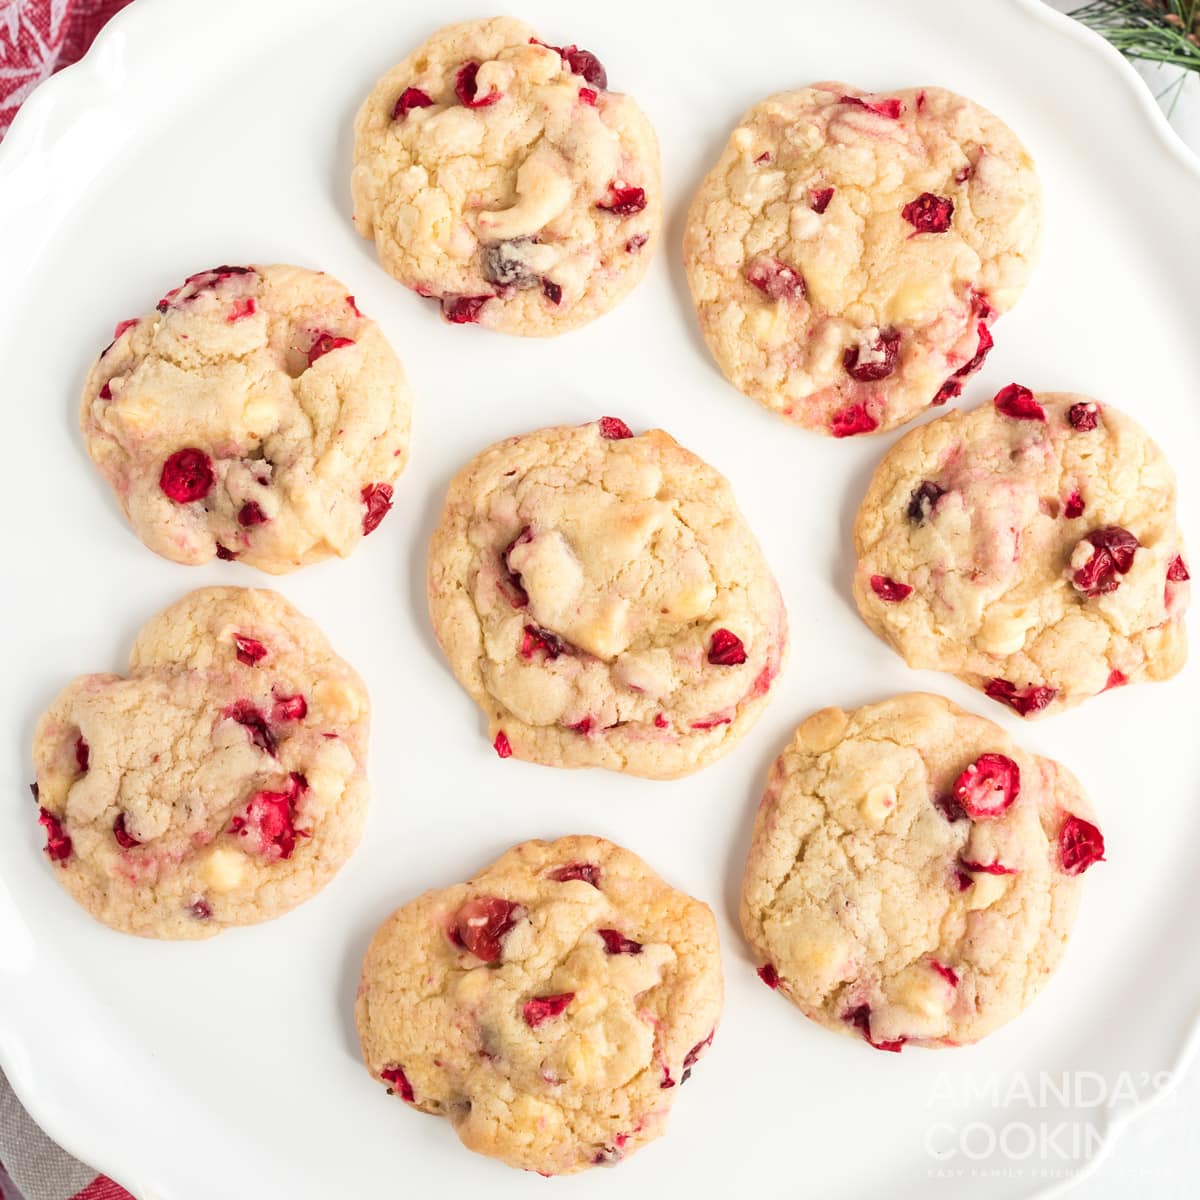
(551, 1008)
(1029, 547)
(220, 782)
(849, 252)
(600, 597)
(914, 875)
(498, 175)
(256, 414)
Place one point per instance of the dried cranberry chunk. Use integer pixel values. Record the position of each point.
(882, 361)
(324, 343)
(124, 839)
(923, 500)
(891, 108)
(186, 476)
(860, 1018)
(776, 280)
(58, 843)
(725, 649)
(248, 650)
(270, 819)
(248, 716)
(1017, 402)
(1083, 417)
(463, 310)
(1080, 844)
(1022, 701)
(890, 590)
(851, 420)
(534, 640)
(988, 787)
(397, 1083)
(543, 1008)
(466, 87)
(585, 63)
(409, 99)
(617, 943)
(614, 429)
(929, 213)
(1113, 549)
(483, 923)
(769, 975)
(623, 201)
(251, 513)
(588, 872)
(377, 499)
(502, 745)
(1177, 571)
(819, 198)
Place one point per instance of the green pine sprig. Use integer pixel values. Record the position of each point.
(1161, 31)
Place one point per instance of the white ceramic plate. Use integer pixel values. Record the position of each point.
(200, 134)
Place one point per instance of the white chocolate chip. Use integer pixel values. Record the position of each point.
(223, 869)
(878, 804)
(986, 890)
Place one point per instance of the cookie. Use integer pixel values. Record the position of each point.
(914, 875)
(499, 175)
(255, 415)
(551, 1007)
(849, 252)
(600, 597)
(1028, 547)
(221, 782)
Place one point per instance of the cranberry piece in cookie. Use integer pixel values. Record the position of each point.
(409, 99)
(482, 924)
(206, 794)
(890, 590)
(281, 370)
(988, 787)
(593, 1043)
(550, 181)
(859, 221)
(187, 475)
(875, 360)
(630, 618)
(1042, 540)
(850, 819)
(1080, 845)
(1101, 557)
(377, 500)
(929, 213)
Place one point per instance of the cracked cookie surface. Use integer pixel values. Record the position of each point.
(221, 782)
(913, 874)
(1029, 547)
(255, 415)
(500, 176)
(849, 252)
(551, 1007)
(601, 598)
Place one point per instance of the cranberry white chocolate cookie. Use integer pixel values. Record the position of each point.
(914, 875)
(600, 597)
(498, 175)
(256, 415)
(221, 782)
(849, 251)
(1028, 547)
(551, 1007)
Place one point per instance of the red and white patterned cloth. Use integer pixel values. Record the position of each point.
(38, 37)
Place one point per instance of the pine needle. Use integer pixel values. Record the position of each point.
(1160, 31)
